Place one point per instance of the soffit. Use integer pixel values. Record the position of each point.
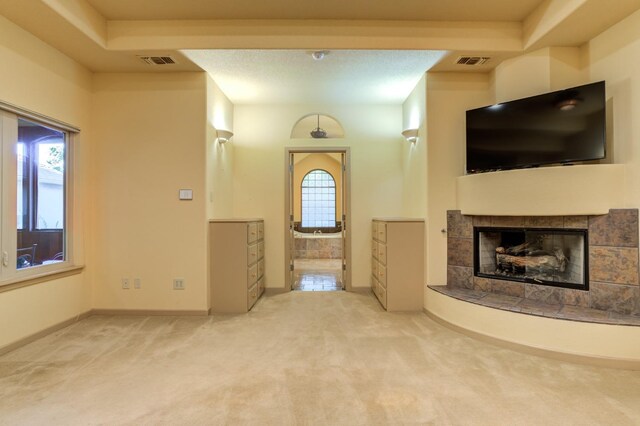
(438, 10)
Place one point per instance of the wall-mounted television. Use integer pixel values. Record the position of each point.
(558, 127)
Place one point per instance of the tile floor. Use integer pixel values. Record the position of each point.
(317, 275)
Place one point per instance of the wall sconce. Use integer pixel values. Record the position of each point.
(411, 135)
(224, 135)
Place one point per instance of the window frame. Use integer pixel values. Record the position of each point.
(10, 276)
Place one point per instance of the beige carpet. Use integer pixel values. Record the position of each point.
(313, 358)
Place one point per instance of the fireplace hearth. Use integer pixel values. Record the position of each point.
(555, 257)
(596, 262)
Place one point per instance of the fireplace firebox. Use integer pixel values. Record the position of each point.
(555, 257)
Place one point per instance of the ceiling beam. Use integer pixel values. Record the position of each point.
(313, 34)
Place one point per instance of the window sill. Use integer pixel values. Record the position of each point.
(15, 283)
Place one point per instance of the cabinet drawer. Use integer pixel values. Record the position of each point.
(260, 230)
(374, 267)
(260, 268)
(261, 250)
(252, 254)
(252, 275)
(382, 275)
(382, 296)
(382, 253)
(382, 232)
(260, 286)
(252, 296)
(374, 230)
(374, 249)
(252, 232)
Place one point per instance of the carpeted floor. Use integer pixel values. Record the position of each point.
(312, 358)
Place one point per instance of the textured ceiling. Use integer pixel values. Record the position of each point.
(438, 10)
(293, 76)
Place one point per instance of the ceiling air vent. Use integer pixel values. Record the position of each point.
(472, 60)
(157, 60)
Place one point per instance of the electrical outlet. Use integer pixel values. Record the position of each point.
(137, 283)
(178, 283)
(125, 284)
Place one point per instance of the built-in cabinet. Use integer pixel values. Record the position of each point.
(236, 264)
(397, 263)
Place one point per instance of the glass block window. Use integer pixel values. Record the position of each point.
(318, 200)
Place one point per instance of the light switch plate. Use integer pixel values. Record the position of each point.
(186, 194)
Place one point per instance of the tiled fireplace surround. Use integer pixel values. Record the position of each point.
(614, 288)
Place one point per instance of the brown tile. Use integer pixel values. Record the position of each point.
(459, 225)
(501, 301)
(544, 221)
(576, 222)
(325, 253)
(624, 319)
(536, 307)
(482, 284)
(579, 313)
(621, 299)
(481, 220)
(336, 252)
(460, 277)
(459, 293)
(508, 221)
(619, 228)
(301, 243)
(460, 251)
(613, 265)
(543, 293)
(509, 288)
(575, 297)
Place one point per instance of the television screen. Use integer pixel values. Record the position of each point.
(557, 127)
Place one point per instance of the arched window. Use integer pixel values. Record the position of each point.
(318, 200)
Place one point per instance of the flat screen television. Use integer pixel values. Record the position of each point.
(558, 127)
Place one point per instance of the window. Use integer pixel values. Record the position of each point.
(318, 200)
(33, 219)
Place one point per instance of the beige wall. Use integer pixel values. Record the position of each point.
(449, 95)
(613, 57)
(303, 164)
(151, 141)
(37, 77)
(414, 155)
(372, 132)
(219, 188)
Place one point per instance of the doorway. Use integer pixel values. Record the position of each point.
(317, 241)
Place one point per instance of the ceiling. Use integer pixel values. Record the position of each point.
(257, 51)
(293, 76)
(403, 10)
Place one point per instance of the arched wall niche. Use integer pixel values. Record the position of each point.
(303, 127)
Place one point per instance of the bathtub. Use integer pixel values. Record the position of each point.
(318, 246)
(297, 234)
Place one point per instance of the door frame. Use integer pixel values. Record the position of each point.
(346, 210)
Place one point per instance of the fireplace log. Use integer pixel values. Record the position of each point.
(524, 249)
(555, 262)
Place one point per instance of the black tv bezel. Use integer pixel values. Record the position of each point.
(543, 163)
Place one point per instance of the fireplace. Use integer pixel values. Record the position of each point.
(554, 257)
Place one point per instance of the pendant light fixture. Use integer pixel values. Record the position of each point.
(318, 133)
